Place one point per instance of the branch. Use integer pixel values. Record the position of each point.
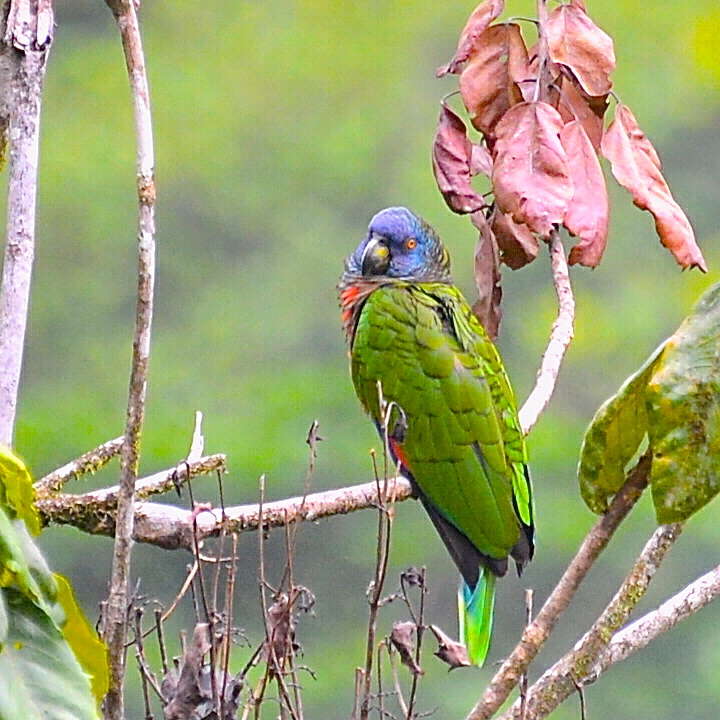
(27, 34)
(537, 632)
(89, 462)
(115, 619)
(560, 337)
(577, 668)
(643, 631)
(171, 527)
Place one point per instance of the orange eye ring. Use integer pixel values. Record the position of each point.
(411, 243)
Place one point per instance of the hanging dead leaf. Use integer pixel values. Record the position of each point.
(488, 82)
(481, 17)
(576, 42)
(281, 632)
(530, 173)
(517, 245)
(636, 166)
(450, 651)
(576, 104)
(452, 151)
(403, 639)
(480, 161)
(487, 277)
(588, 213)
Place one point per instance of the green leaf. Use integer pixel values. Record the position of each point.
(82, 638)
(683, 404)
(23, 568)
(17, 495)
(40, 677)
(674, 399)
(613, 438)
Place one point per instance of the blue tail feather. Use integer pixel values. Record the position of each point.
(475, 606)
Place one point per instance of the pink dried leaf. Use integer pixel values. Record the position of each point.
(588, 213)
(576, 104)
(636, 166)
(530, 174)
(480, 161)
(576, 42)
(451, 155)
(487, 277)
(484, 14)
(488, 84)
(517, 245)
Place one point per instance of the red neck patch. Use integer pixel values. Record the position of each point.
(353, 291)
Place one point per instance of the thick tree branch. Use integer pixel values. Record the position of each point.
(89, 462)
(537, 632)
(27, 33)
(115, 618)
(643, 631)
(560, 337)
(171, 527)
(578, 667)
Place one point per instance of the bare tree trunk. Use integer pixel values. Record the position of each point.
(27, 32)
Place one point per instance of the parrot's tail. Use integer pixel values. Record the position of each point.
(475, 608)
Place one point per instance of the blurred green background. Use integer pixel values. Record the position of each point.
(280, 128)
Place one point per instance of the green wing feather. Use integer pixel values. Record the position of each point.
(463, 439)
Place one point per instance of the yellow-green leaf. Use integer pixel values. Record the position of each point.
(674, 399)
(614, 437)
(82, 638)
(683, 404)
(16, 490)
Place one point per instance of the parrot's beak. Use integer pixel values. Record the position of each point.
(375, 257)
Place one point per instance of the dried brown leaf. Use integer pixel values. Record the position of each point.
(517, 245)
(481, 17)
(576, 42)
(450, 651)
(636, 166)
(452, 151)
(403, 639)
(530, 174)
(488, 82)
(281, 630)
(576, 104)
(589, 210)
(487, 277)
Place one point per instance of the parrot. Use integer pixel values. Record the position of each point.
(453, 429)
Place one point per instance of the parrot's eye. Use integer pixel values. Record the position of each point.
(410, 243)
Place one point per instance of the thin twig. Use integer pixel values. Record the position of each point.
(537, 632)
(419, 621)
(115, 625)
(576, 668)
(524, 679)
(27, 34)
(89, 462)
(560, 338)
(541, 84)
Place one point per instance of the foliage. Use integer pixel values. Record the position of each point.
(46, 645)
(674, 400)
(540, 112)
